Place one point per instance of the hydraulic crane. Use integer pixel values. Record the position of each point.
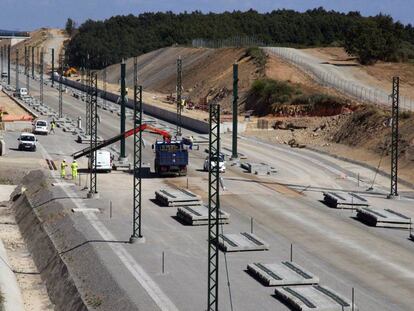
(143, 127)
(171, 157)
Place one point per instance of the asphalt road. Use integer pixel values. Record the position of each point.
(345, 254)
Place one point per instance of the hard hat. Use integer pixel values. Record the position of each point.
(74, 160)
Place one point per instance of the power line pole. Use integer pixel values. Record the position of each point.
(104, 77)
(123, 103)
(33, 62)
(93, 106)
(2, 58)
(53, 68)
(26, 67)
(8, 64)
(41, 77)
(17, 69)
(213, 206)
(394, 136)
(136, 221)
(87, 100)
(179, 89)
(61, 56)
(235, 109)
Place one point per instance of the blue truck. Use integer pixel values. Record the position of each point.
(171, 158)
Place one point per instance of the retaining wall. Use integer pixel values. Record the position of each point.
(195, 125)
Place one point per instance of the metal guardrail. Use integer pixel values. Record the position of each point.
(327, 77)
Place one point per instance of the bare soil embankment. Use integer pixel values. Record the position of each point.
(204, 73)
(44, 38)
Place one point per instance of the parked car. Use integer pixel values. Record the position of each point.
(41, 127)
(212, 164)
(27, 141)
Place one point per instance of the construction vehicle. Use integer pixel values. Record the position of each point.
(70, 71)
(171, 157)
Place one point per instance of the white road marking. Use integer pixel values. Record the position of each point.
(153, 290)
(350, 245)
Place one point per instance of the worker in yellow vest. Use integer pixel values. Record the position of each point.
(74, 167)
(63, 169)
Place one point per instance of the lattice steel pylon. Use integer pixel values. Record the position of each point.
(179, 99)
(395, 136)
(213, 207)
(41, 76)
(17, 69)
(27, 66)
(87, 102)
(137, 171)
(61, 58)
(93, 106)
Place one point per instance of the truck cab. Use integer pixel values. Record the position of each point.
(171, 158)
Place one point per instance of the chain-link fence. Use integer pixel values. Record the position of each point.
(332, 78)
(237, 41)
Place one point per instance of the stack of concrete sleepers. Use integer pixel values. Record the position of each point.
(177, 197)
(198, 215)
(286, 273)
(313, 298)
(344, 200)
(85, 139)
(241, 242)
(383, 218)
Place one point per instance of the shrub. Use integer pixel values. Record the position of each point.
(258, 55)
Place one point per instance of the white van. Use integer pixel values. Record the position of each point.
(41, 127)
(103, 161)
(23, 92)
(27, 141)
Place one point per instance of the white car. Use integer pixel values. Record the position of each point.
(222, 163)
(41, 127)
(27, 141)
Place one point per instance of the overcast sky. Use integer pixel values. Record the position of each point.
(32, 14)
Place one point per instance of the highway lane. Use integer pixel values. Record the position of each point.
(345, 252)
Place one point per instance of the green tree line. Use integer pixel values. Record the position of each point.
(102, 43)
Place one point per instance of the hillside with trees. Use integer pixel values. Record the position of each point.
(108, 42)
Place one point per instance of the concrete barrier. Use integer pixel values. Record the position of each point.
(18, 126)
(199, 126)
